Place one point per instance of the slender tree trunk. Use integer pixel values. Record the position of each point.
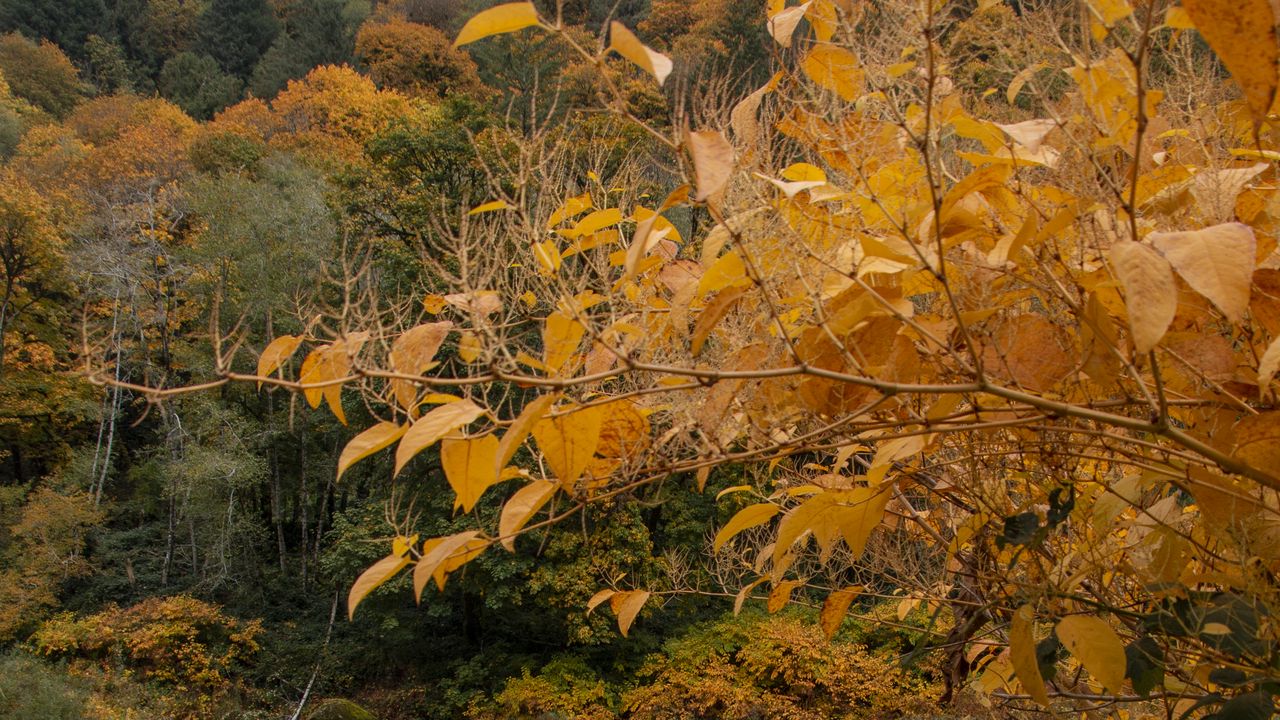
(304, 501)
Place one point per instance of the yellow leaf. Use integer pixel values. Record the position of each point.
(413, 353)
(835, 608)
(851, 514)
(561, 337)
(1242, 33)
(444, 555)
(835, 69)
(593, 223)
(599, 598)
(645, 239)
(783, 25)
(547, 253)
(1020, 80)
(781, 595)
(505, 18)
(626, 44)
(727, 270)
(1269, 365)
(324, 367)
(748, 517)
(712, 162)
(490, 206)
(469, 347)
(568, 442)
(572, 207)
(434, 304)
(279, 350)
(434, 425)
(369, 442)
(1092, 641)
(626, 605)
(741, 597)
(378, 573)
(1217, 262)
(1150, 292)
(527, 501)
(1177, 18)
(732, 490)
(1258, 441)
(712, 315)
(1111, 12)
(1022, 653)
(470, 466)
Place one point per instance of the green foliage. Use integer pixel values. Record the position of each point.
(196, 84)
(108, 68)
(236, 33)
(34, 690)
(339, 710)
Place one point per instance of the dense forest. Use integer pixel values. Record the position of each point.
(427, 359)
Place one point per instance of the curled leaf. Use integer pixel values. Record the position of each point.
(279, 350)
(505, 18)
(378, 573)
(434, 425)
(527, 501)
(626, 44)
(376, 438)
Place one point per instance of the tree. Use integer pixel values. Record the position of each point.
(32, 252)
(196, 84)
(40, 74)
(236, 33)
(108, 68)
(415, 59)
(65, 23)
(312, 34)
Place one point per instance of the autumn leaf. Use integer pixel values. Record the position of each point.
(835, 607)
(561, 336)
(781, 595)
(1269, 365)
(376, 438)
(568, 442)
(491, 206)
(1092, 641)
(441, 556)
(1022, 653)
(748, 517)
(1216, 262)
(1151, 294)
(522, 506)
(783, 25)
(1242, 33)
(505, 18)
(413, 353)
(712, 162)
(275, 354)
(471, 467)
(712, 315)
(378, 573)
(626, 44)
(626, 605)
(835, 69)
(429, 428)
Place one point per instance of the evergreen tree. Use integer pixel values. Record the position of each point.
(236, 33)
